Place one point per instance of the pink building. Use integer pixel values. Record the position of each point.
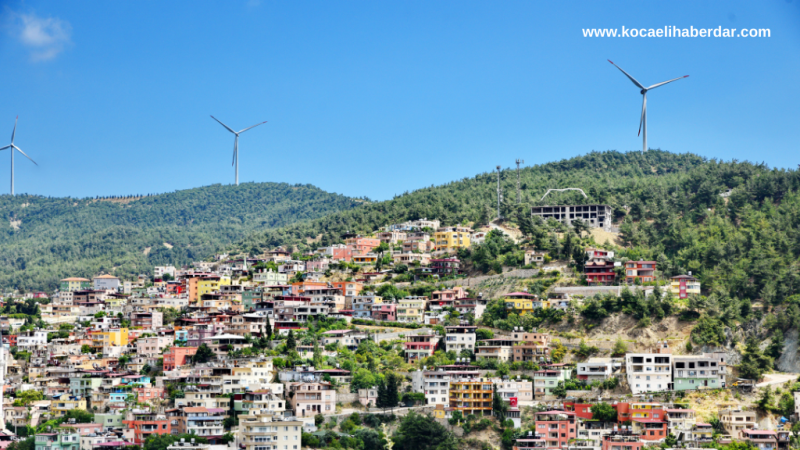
(362, 245)
(556, 427)
(384, 312)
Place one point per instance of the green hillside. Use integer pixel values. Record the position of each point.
(667, 206)
(45, 239)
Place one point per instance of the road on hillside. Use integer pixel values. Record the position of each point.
(777, 378)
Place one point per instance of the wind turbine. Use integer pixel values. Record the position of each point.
(643, 120)
(13, 147)
(236, 144)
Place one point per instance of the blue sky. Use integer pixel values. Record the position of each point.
(377, 98)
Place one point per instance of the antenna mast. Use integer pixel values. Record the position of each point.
(499, 194)
(519, 196)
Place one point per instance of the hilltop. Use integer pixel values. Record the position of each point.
(44, 239)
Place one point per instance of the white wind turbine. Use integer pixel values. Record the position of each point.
(643, 120)
(13, 147)
(236, 144)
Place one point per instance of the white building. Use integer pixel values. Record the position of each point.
(460, 337)
(650, 372)
(31, 339)
(159, 271)
(106, 282)
(596, 369)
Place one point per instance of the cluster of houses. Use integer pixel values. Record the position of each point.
(119, 330)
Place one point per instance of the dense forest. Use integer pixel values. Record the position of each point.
(45, 239)
(735, 225)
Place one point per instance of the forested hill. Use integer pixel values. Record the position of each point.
(45, 239)
(668, 207)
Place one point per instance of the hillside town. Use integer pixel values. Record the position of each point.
(289, 350)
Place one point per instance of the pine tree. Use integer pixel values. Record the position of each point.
(381, 401)
(291, 344)
(392, 388)
(268, 330)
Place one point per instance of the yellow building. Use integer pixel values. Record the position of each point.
(472, 396)
(438, 412)
(411, 309)
(452, 238)
(523, 303)
(113, 302)
(211, 284)
(683, 285)
(108, 338)
(60, 407)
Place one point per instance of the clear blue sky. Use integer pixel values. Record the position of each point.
(376, 98)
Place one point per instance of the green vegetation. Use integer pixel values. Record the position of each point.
(61, 237)
(603, 412)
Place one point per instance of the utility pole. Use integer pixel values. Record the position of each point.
(499, 194)
(519, 196)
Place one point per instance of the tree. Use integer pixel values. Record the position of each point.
(85, 348)
(620, 348)
(162, 441)
(268, 330)
(499, 407)
(204, 354)
(603, 412)
(671, 441)
(754, 362)
(291, 344)
(392, 390)
(483, 334)
(25, 398)
(420, 432)
(371, 439)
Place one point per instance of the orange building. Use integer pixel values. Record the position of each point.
(349, 288)
(362, 245)
(177, 356)
(147, 423)
(301, 287)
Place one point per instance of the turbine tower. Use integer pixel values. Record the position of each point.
(236, 144)
(643, 120)
(13, 147)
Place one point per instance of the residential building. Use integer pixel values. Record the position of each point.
(706, 371)
(147, 423)
(521, 302)
(684, 285)
(106, 282)
(643, 271)
(531, 347)
(205, 422)
(681, 422)
(362, 245)
(362, 305)
(63, 440)
(117, 337)
(557, 428)
(392, 237)
(452, 238)
(160, 271)
(734, 421)
(149, 320)
(384, 312)
(472, 396)
(547, 378)
(419, 346)
(459, 338)
(534, 257)
(595, 216)
(270, 277)
(622, 440)
(597, 369)
(262, 430)
(499, 349)
(310, 399)
(74, 284)
(599, 267)
(411, 309)
(177, 357)
(760, 439)
(650, 372)
(348, 288)
(445, 267)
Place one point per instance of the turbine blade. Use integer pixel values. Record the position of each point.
(3, 148)
(20, 150)
(644, 108)
(665, 82)
(626, 74)
(262, 123)
(15, 129)
(227, 127)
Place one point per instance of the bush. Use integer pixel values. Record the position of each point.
(319, 419)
